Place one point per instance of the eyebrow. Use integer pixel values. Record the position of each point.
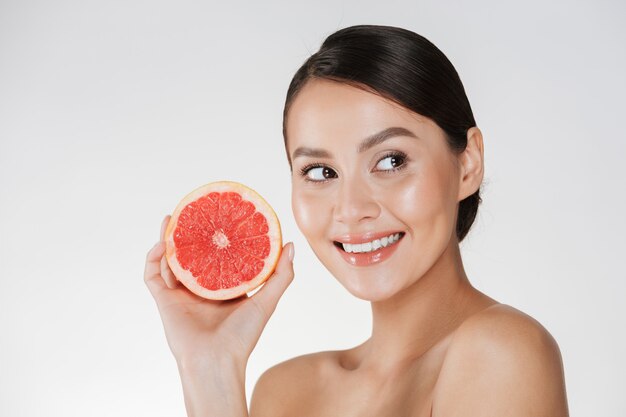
(369, 142)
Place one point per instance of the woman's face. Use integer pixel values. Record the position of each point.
(366, 172)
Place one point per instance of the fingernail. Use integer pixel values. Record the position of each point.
(291, 251)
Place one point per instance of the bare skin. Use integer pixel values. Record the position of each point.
(212, 340)
(439, 347)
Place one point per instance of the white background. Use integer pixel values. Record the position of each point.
(110, 112)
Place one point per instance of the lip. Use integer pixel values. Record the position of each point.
(369, 258)
(364, 237)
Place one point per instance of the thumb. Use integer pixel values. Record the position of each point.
(267, 297)
(252, 316)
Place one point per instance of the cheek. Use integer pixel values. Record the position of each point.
(415, 198)
(423, 201)
(307, 211)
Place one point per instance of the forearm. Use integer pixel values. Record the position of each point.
(213, 388)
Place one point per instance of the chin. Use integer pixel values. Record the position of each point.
(374, 283)
(367, 288)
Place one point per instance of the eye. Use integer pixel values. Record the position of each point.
(391, 162)
(317, 173)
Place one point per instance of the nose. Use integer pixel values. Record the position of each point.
(355, 203)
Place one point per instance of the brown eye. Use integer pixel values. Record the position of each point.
(390, 162)
(320, 173)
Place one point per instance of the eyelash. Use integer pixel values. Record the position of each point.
(304, 170)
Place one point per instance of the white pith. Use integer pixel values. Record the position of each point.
(371, 246)
(220, 239)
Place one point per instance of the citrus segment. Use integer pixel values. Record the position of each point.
(223, 240)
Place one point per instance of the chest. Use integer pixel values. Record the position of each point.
(408, 394)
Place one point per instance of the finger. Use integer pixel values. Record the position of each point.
(152, 272)
(164, 224)
(166, 272)
(267, 297)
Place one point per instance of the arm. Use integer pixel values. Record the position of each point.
(213, 389)
(212, 340)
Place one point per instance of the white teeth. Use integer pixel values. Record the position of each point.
(371, 246)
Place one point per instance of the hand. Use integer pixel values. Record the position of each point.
(197, 328)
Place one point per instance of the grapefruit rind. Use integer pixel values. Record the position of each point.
(274, 234)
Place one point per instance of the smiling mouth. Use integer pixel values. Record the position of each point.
(371, 246)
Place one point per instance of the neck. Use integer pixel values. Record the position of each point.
(407, 325)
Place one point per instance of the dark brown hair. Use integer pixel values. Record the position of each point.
(404, 67)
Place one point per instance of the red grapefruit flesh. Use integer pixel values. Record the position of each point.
(223, 240)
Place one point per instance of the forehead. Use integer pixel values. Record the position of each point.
(326, 110)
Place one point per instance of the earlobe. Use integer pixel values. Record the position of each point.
(472, 164)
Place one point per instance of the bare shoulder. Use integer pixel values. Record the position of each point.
(276, 391)
(505, 328)
(501, 361)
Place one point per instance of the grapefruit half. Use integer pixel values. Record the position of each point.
(223, 240)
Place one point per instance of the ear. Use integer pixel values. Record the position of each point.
(471, 164)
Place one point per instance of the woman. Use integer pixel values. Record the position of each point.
(387, 163)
